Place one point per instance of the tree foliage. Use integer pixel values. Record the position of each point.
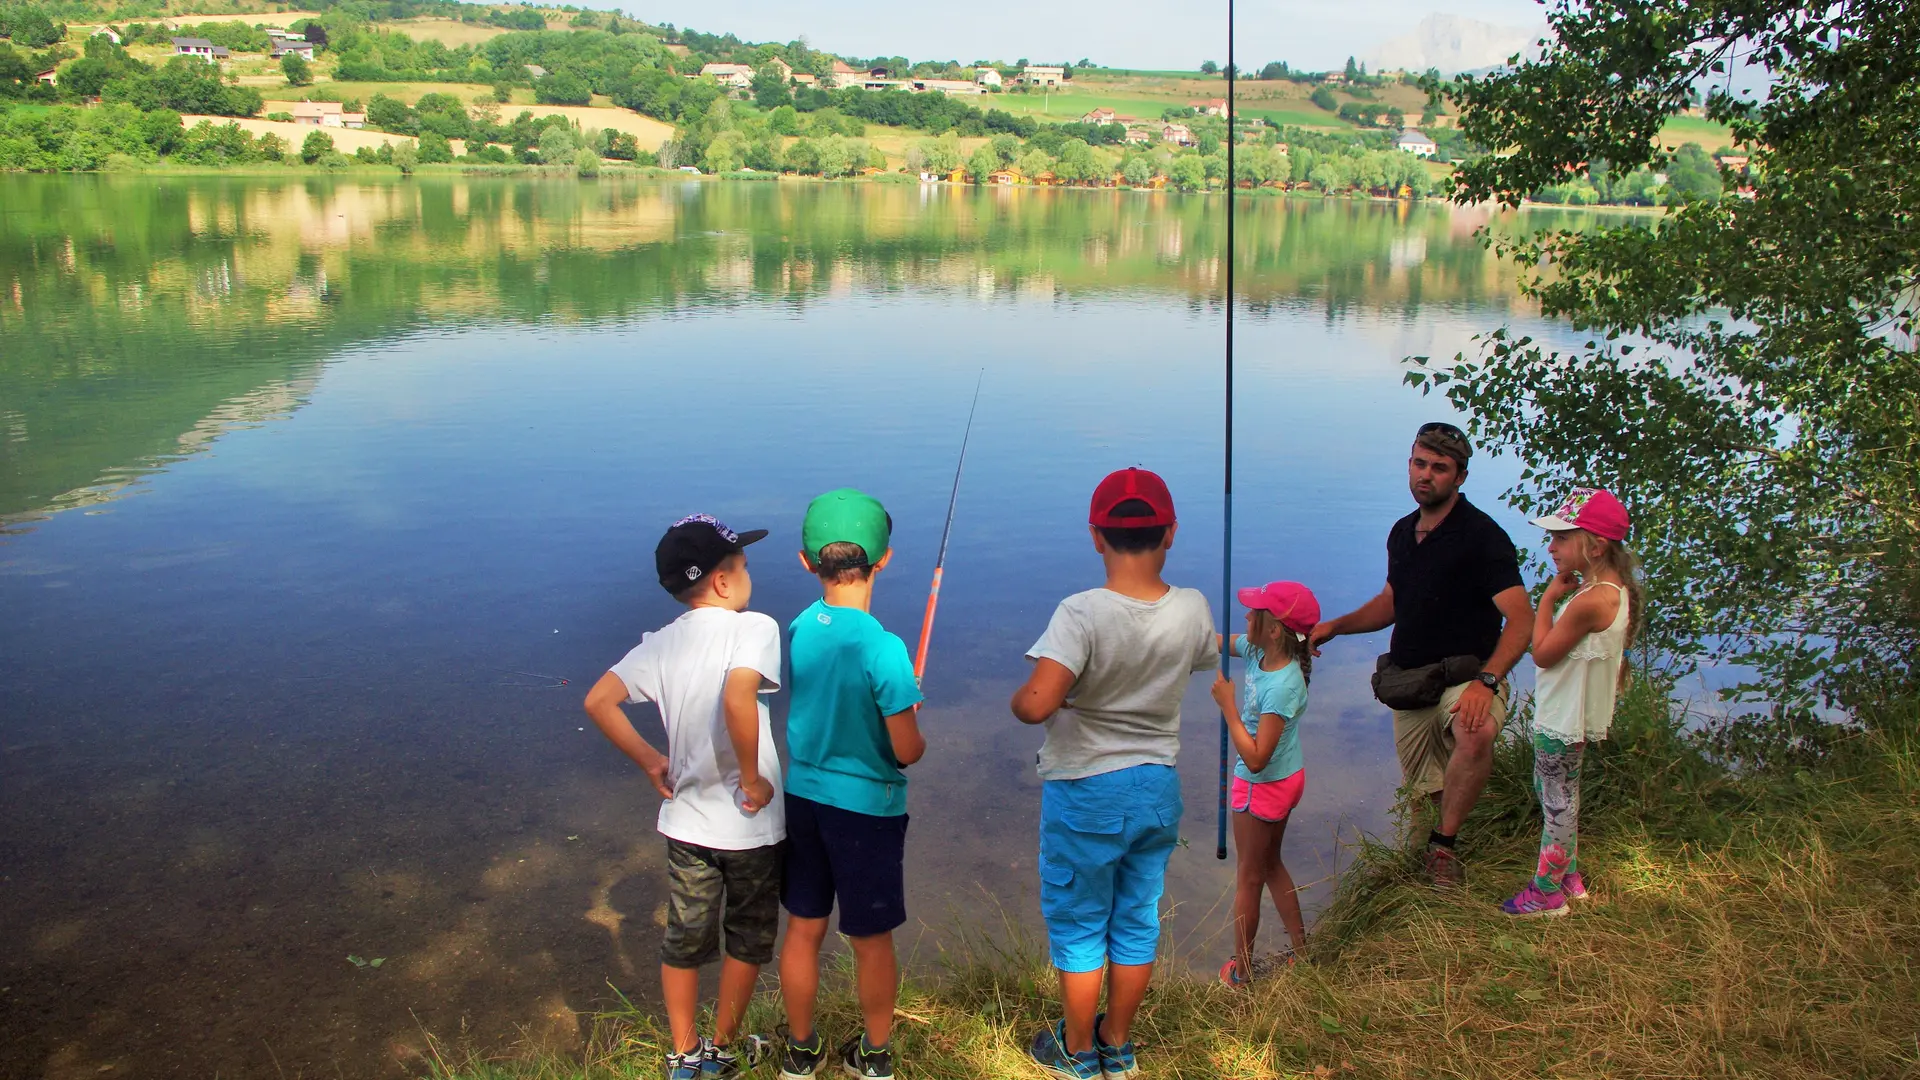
(1749, 384)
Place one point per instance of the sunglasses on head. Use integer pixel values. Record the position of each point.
(1443, 428)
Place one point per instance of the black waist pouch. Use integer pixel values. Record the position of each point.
(1421, 687)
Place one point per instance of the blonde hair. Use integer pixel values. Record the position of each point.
(1268, 626)
(1616, 556)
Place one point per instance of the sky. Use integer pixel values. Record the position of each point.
(1113, 33)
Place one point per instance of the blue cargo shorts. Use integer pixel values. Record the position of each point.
(1104, 843)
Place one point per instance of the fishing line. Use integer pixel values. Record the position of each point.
(946, 532)
(1226, 526)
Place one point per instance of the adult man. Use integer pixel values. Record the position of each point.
(1452, 577)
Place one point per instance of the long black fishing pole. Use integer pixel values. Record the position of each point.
(940, 562)
(1226, 543)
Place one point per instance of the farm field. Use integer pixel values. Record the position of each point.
(449, 32)
(408, 92)
(346, 140)
(1686, 129)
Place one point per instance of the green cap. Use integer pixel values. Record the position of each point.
(854, 517)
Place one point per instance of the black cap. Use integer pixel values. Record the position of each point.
(694, 545)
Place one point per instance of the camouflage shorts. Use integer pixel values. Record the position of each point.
(709, 890)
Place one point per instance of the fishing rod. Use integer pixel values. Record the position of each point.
(1226, 542)
(946, 532)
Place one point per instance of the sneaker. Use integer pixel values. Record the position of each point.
(1530, 901)
(1445, 867)
(862, 1060)
(1574, 886)
(800, 1061)
(1049, 1050)
(1230, 975)
(687, 1066)
(1115, 1061)
(737, 1056)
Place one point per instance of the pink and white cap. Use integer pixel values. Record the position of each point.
(1592, 509)
(1289, 601)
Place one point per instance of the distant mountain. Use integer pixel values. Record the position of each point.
(1455, 44)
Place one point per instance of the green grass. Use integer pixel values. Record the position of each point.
(1752, 922)
(1686, 129)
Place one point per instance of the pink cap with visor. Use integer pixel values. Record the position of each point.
(1289, 601)
(1592, 509)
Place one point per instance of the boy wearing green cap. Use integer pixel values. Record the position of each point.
(851, 728)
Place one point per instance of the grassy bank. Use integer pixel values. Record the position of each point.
(1747, 922)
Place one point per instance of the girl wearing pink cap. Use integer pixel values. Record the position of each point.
(1580, 650)
(1270, 775)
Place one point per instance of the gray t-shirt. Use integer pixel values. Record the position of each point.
(1131, 660)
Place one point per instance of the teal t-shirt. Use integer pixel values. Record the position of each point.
(848, 674)
(1283, 692)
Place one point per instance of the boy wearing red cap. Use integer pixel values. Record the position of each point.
(1107, 680)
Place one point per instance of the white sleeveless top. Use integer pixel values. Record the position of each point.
(1573, 699)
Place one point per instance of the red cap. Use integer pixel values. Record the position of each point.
(1592, 509)
(1291, 602)
(1127, 484)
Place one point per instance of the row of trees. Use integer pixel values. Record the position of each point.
(1690, 177)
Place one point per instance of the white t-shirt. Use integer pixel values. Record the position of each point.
(1131, 660)
(682, 667)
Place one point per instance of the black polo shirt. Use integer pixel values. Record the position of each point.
(1443, 587)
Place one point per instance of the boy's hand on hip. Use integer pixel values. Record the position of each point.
(756, 795)
(657, 772)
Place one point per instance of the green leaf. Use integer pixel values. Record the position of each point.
(1329, 1024)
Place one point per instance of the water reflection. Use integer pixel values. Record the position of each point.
(401, 443)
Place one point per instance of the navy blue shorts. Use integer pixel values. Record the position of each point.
(859, 858)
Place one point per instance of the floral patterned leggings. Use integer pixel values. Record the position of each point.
(1556, 780)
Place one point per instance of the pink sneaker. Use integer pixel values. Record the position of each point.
(1530, 902)
(1574, 886)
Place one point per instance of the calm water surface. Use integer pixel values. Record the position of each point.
(313, 493)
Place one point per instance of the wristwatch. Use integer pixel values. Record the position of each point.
(1489, 680)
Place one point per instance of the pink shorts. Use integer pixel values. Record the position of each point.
(1271, 801)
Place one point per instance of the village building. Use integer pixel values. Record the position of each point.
(283, 43)
(535, 71)
(1139, 134)
(780, 67)
(1178, 134)
(1100, 116)
(1334, 78)
(843, 75)
(1416, 143)
(200, 47)
(51, 76)
(107, 32)
(949, 87)
(1210, 107)
(732, 76)
(1043, 75)
(326, 114)
(801, 78)
(988, 77)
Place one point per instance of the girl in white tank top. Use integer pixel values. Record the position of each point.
(1580, 648)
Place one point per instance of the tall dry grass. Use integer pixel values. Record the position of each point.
(1757, 920)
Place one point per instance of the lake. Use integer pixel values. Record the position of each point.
(323, 502)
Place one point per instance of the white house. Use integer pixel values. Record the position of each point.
(200, 47)
(283, 43)
(1043, 75)
(988, 77)
(1416, 143)
(1210, 107)
(107, 32)
(326, 114)
(1179, 134)
(734, 76)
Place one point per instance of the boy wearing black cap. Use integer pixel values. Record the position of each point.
(721, 811)
(1107, 680)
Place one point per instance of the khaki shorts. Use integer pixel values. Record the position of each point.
(1423, 738)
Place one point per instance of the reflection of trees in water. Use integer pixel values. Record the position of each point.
(134, 310)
